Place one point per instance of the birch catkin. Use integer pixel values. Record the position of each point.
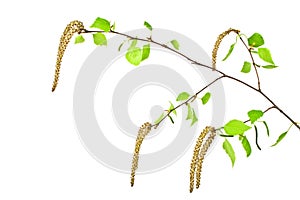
(72, 27)
(202, 154)
(143, 131)
(217, 45)
(196, 156)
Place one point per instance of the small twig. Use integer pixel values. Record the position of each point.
(263, 112)
(191, 99)
(224, 135)
(253, 62)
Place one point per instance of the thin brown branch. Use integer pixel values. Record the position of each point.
(159, 44)
(268, 98)
(150, 40)
(253, 62)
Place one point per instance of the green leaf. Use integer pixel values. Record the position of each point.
(267, 128)
(175, 44)
(269, 66)
(229, 51)
(280, 138)
(133, 44)
(172, 107)
(147, 25)
(119, 48)
(205, 98)
(229, 150)
(254, 115)
(236, 127)
(190, 112)
(246, 146)
(134, 56)
(246, 67)
(265, 55)
(194, 118)
(146, 51)
(79, 39)
(256, 138)
(160, 118)
(99, 39)
(183, 96)
(171, 119)
(256, 40)
(101, 24)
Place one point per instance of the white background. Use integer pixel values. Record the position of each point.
(41, 156)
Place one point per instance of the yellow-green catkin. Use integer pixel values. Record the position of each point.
(72, 27)
(202, 154)
(217, 45)
(196, 156)
(143, 132)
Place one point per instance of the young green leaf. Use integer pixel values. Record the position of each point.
(101, 24)
(254, 115)
(99, 39)
(120, 46)
(146, 51)
(269, 66)
(256, 138)
(229, 150)
(159, 118)
(246, 67)
(236, 127)
(229, 51)
(147, 25)
(175, 44)
(190, 112)
(246, 146)
(134, 56)
(267, 128)
(171, 119)
(256, 40)
(79, 39)
(194, 118)
(265, 55)
(205, 98)
(183, 96)
(133, 44)
(280, 138)
(171, 108)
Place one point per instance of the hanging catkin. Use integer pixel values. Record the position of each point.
(143, 131)
(217, 45)
(72, 27)
(196, 156)
(202, 154)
